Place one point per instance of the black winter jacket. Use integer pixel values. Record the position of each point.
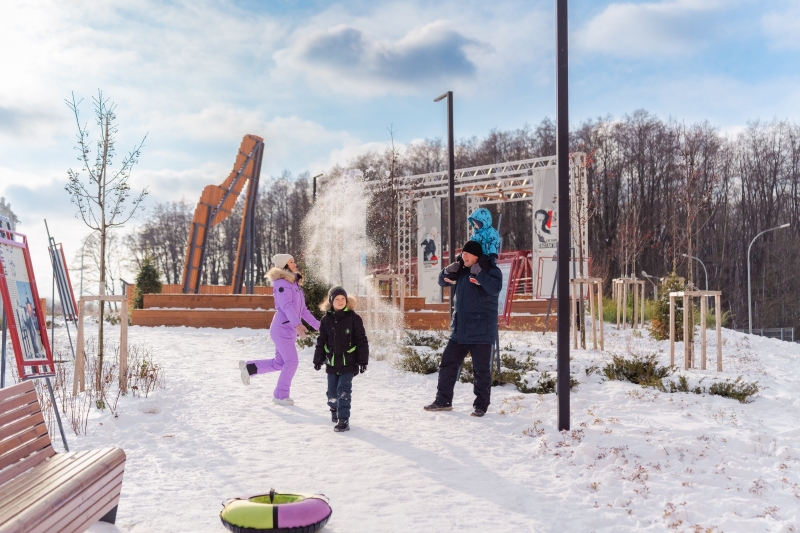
(476, 306)
(342, 342)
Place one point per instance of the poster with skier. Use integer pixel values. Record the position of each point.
(429, 238)
(24, 313)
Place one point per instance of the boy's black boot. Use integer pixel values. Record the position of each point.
(334, 418)
(343, 425)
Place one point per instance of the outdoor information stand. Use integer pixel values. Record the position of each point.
(23, 315)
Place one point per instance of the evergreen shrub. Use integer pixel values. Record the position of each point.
(659, 321)
(148, 281)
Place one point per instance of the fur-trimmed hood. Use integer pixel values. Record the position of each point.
(276, 273)
(352, 303)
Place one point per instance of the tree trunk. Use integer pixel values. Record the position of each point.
(103, 237)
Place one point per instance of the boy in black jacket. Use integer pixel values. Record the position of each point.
(342, 346)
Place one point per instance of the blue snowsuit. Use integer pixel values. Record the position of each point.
(484, 233)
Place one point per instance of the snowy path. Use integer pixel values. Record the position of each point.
(637, 459)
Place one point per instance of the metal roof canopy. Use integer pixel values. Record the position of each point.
(488, 184)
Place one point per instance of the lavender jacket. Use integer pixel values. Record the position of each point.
(290, 302)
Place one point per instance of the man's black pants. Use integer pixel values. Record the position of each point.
(452, 358)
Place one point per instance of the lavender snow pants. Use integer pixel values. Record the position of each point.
(285, 360)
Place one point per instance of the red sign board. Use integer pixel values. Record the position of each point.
(21, 304)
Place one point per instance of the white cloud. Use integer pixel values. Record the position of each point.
(668, 28)
(782, 29)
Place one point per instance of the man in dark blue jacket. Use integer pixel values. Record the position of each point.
(473, 328)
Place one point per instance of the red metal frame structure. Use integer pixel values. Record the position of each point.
(41, 367)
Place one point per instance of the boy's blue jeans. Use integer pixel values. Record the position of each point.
(340, 387)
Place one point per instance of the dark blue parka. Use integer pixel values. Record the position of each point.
(475, 315)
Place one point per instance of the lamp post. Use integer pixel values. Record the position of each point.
(699, 261)
(749, 291)
(655, 287)
(451, 180)
(562, 162)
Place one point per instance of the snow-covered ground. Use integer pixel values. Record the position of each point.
(635, 460)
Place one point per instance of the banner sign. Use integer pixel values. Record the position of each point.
(61, 273)
(24, 313)
(545, 228)
(429, 249)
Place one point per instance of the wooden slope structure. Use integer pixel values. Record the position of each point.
(215, 205)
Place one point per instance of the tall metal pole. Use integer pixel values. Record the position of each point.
(749, 292)
(562, 161)
(451, 181)
(3, 354)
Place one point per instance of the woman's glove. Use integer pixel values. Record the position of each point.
(301, 331)
(362, 368)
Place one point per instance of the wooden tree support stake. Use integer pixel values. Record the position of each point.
(79, 380)
(594, 289)
(619, 289)
(687, 299)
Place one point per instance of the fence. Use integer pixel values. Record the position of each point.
(784, 334)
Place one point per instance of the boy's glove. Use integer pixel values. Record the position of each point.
(362, 368)
(317, 366)
(485, 262)
(453, 268)
(474, 269)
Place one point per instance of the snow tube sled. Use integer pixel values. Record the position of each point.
(276, 513)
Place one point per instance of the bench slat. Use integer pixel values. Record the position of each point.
(27, 463)
(12, 432)
(80, 508)
(16, 390)
(17, 414)
(99, 509)
(18, 401)
(9, 446)
(47, 500)
(22, 491)
(46, 468)
(27, 449)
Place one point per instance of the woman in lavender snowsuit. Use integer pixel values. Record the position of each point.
(290, 306)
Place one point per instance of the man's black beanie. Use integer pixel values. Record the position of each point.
(334, 292)
(473, 248)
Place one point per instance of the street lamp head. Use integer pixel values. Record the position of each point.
(441, 97)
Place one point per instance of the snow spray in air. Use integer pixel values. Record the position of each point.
(337, 246)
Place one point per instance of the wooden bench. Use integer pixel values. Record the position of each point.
(45, 491)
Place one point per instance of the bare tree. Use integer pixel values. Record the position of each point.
(103, 196)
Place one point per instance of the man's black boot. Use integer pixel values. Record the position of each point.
(334, 418)
(436, 406)
(343, 425)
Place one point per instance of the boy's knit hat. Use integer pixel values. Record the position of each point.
(334, 292)
(280, 260)
(473, 247)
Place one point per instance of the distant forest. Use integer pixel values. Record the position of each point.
(658, 189)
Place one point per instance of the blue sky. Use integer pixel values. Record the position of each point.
(322, 81)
